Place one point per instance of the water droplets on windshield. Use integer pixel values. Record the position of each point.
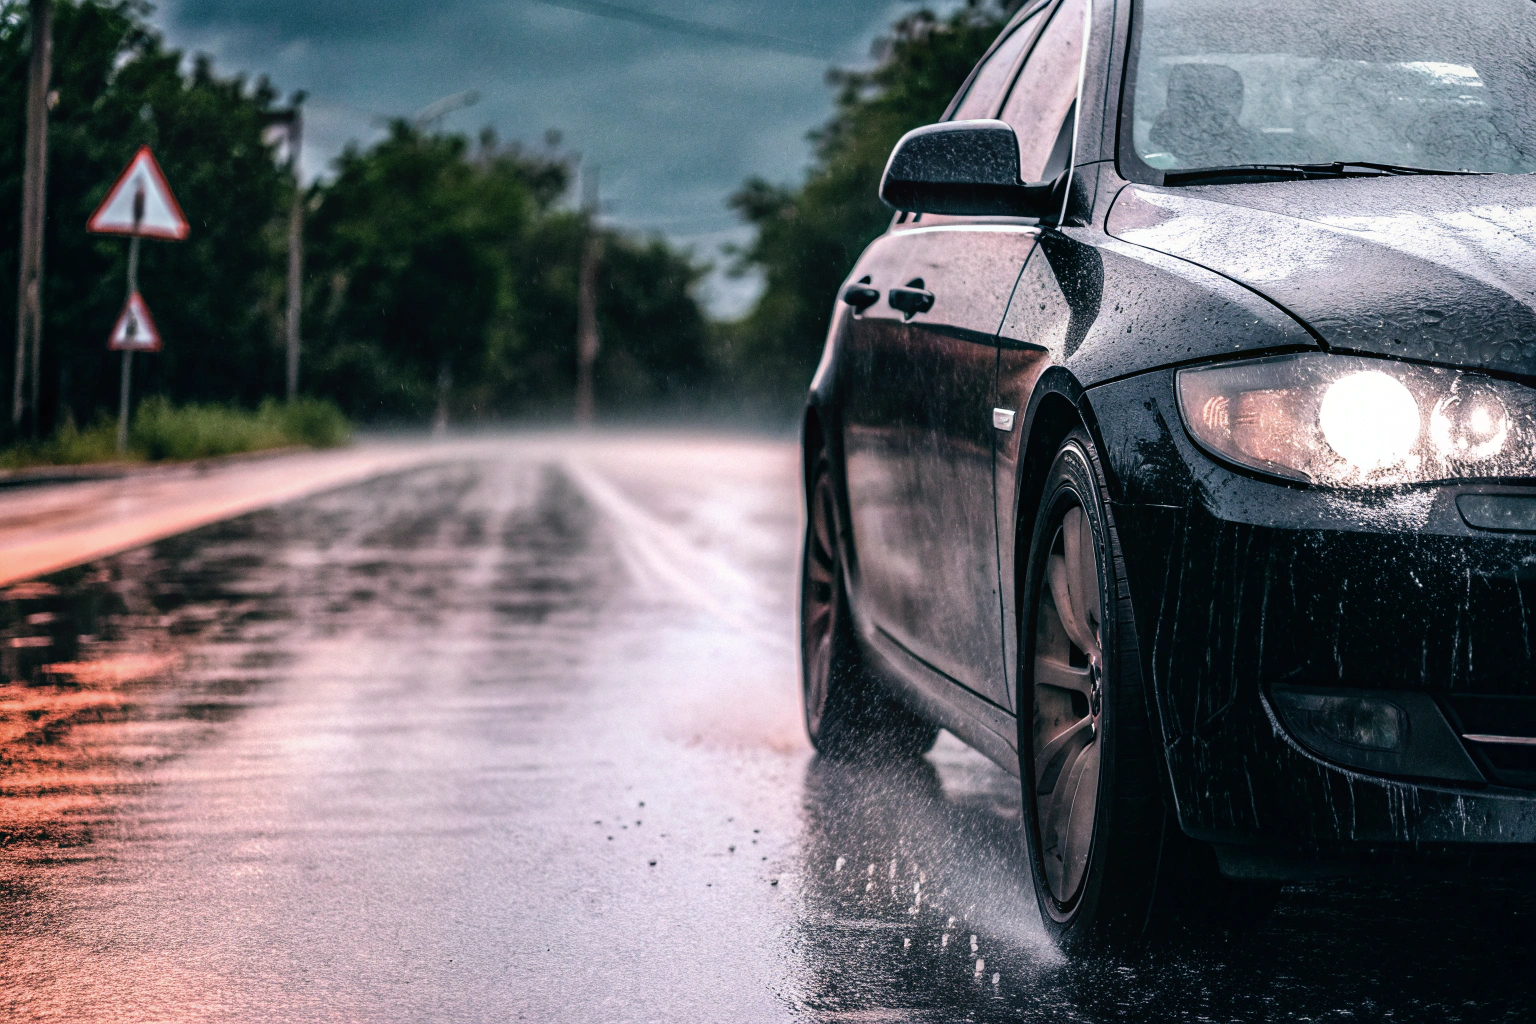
(1441, 86)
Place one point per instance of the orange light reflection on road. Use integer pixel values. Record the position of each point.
(90, 695)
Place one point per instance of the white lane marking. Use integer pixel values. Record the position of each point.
(663, 561)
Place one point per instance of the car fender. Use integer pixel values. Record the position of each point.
(1058, 404)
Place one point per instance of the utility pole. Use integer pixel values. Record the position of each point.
(295, 247)
(29, 291)
(291, 121)
(587, 339)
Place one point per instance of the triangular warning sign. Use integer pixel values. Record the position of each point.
(135, 329)
(158, 215)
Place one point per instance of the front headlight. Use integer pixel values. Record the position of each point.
(1347, 421)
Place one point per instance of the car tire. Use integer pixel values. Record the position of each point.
(848, 712)
(1109, 863)
(1093, 814)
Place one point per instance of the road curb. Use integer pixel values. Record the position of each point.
(38, 475)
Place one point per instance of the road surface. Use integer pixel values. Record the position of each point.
(509, 730)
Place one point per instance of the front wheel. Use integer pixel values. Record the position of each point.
(1092, 810)
(1109, 863)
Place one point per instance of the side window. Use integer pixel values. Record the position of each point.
(988, 85)
(1046, 89)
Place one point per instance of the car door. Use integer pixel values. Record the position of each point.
(918, 444)
(920, 372)
(1057, 293)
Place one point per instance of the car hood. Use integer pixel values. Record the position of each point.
(1440, 269)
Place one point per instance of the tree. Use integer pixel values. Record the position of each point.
(410, 247)
(808, 238)
(427, 254)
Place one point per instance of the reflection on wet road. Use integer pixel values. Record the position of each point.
(514, 736)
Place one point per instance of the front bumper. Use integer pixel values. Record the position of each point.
(1242, 584)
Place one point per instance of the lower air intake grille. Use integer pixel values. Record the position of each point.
(1501, 734)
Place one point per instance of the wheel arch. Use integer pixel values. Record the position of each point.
(813, 441)
(1058, 406)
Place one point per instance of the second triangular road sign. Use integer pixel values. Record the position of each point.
(140, 203)
(135, 329)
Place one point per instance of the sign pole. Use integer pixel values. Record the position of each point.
(122, 404)
(133, 287)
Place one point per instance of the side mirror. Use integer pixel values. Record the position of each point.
(966, 168)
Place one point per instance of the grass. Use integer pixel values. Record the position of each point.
(162, 432)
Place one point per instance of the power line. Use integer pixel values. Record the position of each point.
(696, 29)
(431, 115)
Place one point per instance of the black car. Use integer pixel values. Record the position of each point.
(1176, 447)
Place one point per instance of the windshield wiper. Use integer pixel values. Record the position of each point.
(1346, 166)
(1297, 172)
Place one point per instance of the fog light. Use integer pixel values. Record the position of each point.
(1356, 720)
(1359, 722)
(1396, 732)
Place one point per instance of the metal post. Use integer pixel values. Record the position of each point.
(122, 402)
(29, 292)
(444, 389)
(295, 254)
(588, 340)
(133, 245)
(133, 286)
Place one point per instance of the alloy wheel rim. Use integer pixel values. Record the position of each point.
(1068, 704)
(818, 609)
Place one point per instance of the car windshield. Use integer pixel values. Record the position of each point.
(1444, 85)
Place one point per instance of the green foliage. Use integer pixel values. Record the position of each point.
(69, 446)
(409, 244)
(216, 297)
(809, 237)
(428, 258)
(660, 347)
(162, 431)
(310, 421)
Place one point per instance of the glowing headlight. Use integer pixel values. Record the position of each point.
(1471, 423)
(1348, 421)
(1370, 419)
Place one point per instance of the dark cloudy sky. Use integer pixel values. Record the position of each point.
(677, 101)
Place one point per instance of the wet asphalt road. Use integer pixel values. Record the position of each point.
(514, 735)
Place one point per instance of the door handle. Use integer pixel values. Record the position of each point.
(861, 296)
(913, 299)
